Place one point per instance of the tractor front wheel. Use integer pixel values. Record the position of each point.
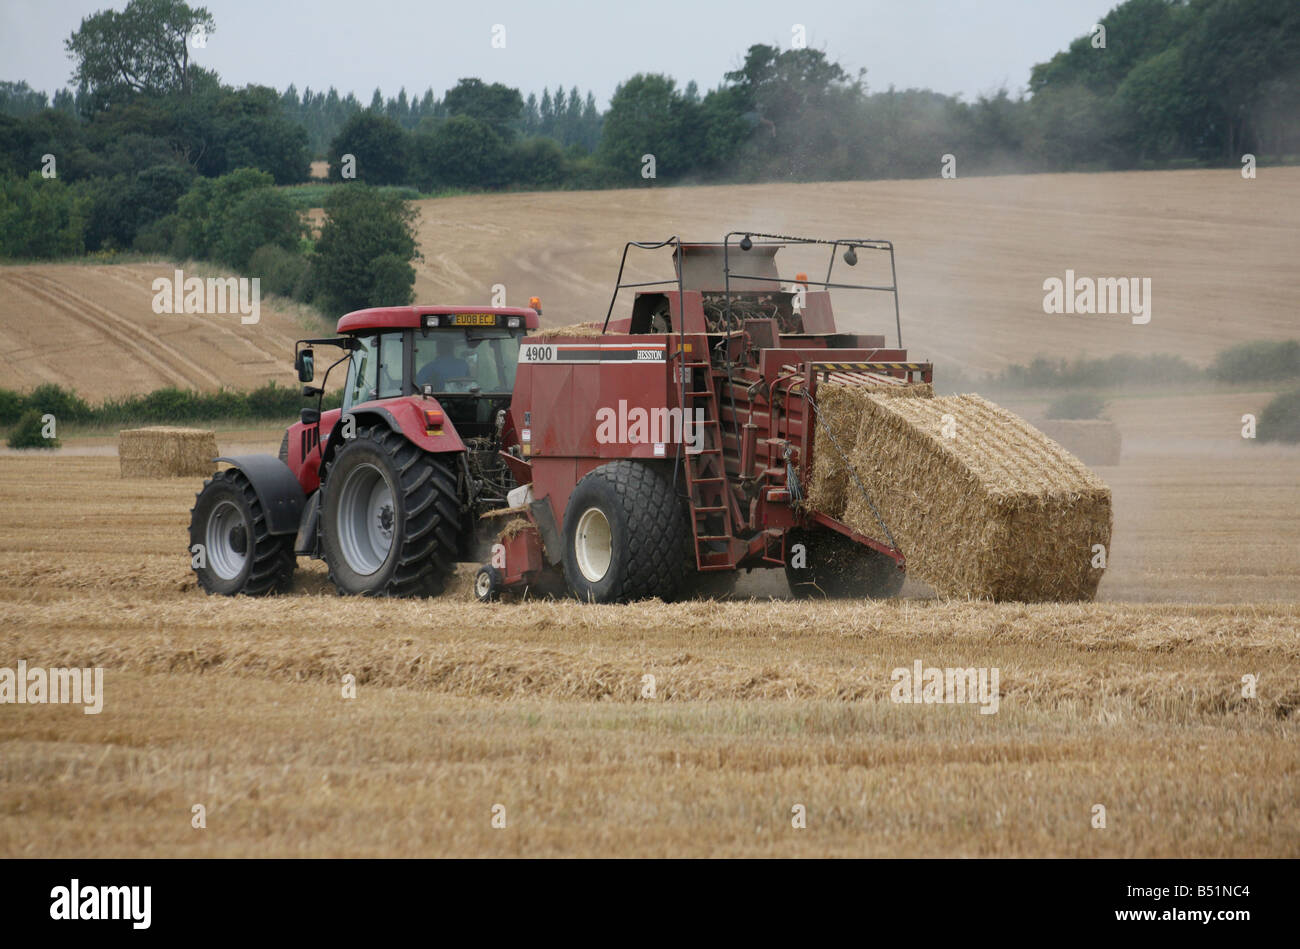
(624, 533)
(824, 563)
(231, 549)
(390, 518)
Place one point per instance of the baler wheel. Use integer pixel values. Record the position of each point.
(840, 568)
(390, 518)
(239, 554)
(487, 584)
(624, 534)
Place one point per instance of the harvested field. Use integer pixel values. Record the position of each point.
(576, 330)
(161, 451)
(1092, 441)
(538, 705)
(1134, 701)
(92, 328)
(972, 253)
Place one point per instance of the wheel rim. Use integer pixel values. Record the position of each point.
(593, 544)
(226, 540)
(483, 585)
(366, 518)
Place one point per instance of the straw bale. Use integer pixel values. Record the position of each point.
(999, 511)
(164, 452)
(839, 409)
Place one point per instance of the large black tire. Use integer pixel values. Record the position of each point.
(420, 521)
(226, 516)
(647, 527)
(837, 567)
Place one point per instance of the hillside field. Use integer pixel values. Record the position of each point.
(1134, 702)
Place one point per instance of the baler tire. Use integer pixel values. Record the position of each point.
(839, 568)
(648, 530)
(268, 568)
(425, 517)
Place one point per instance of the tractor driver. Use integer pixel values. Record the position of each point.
(445, 367)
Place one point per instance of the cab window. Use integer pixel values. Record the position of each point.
(376, 369)
(476, 360)
(360, 386)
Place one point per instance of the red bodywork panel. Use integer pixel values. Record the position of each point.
(409, 317)
(407, 411)
(577, 401)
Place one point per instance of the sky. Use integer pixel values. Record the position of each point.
(965, 47)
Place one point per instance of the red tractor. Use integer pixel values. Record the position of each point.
(388, 488)
(656, 455)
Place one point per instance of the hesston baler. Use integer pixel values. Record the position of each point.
(673, 449)
(655, 455)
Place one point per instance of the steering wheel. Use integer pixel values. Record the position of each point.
(458, 383)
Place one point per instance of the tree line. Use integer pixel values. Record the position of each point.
(1157, 83)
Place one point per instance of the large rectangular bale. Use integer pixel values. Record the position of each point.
(839, 411)
(163, 452)
(998, 510)
(1092, 441)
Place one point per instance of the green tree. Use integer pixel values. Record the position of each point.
(392, 281)
(1280, 420)
(257, 218)
(496, 105)
(203, 210)
(379, 146)
(362, 225)
(143, 50)
(1236, 53)
(40, 217)
(28, 433)
(461, 152)
(646, 117)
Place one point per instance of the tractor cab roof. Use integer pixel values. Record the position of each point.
(413, 317)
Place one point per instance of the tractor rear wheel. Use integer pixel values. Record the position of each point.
(832, 565)
(624, 533)
(231, 549)
(390, 517)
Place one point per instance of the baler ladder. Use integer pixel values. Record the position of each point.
(707, 487)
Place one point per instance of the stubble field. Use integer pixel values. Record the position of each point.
(1134, 702)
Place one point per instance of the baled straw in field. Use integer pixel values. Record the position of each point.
(162, 452)
(577, 330)
(1093, 441)
(839, 409)
(997, 511)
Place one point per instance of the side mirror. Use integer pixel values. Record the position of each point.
(310, 416)
(305, 363)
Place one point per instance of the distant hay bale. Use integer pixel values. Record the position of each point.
(163, 452)
(1092, 441)
(577, 329)
(839, 409)
(999, 511)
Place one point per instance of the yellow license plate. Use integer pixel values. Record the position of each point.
(475, 319)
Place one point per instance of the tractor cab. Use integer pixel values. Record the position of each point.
(464, 360)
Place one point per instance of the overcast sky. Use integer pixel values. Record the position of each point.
(952, 46)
